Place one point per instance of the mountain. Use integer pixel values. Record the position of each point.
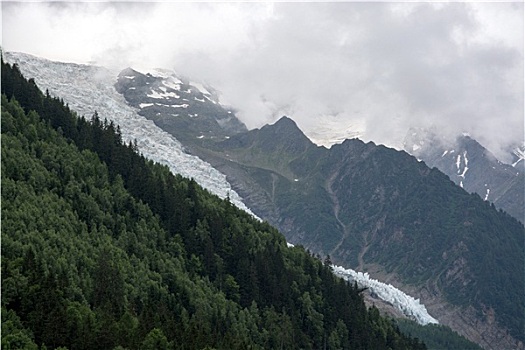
(335, 201)
(473, 167)
(104, 249)
(91, 88)
(380, 210)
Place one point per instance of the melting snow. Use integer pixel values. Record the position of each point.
(487, 195)
(410, 307)
(444, 153)
(142, 105)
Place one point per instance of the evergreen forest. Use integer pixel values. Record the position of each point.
(103, 249)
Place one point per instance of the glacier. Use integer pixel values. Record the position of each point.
(410, 306)
(87, 89)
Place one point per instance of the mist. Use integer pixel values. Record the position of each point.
(379, 68)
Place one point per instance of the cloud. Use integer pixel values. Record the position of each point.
(379, 66)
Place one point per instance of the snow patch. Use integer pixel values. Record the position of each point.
(164, 95)
(172, 83)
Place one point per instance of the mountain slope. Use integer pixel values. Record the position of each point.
(369, 206)
(104, 249)
(472, 167)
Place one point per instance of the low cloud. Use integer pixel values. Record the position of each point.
(381, 67)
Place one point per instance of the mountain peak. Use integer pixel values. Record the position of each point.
(284, 126)
(286, 121)
(286, 132)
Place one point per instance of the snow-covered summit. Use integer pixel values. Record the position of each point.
(87, 89)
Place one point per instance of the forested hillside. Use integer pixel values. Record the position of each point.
(104, 249)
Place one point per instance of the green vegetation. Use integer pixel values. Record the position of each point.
(366, 204)
(436, 337)
(102, 249)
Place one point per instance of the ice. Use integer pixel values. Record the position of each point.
(410, 306)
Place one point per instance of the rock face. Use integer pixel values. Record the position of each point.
(473, 167)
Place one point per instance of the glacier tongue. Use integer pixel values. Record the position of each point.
(410, 307)
(87, 89)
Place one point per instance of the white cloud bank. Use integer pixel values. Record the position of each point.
(379, 66)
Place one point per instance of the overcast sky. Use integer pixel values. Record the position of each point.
(380, 67)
